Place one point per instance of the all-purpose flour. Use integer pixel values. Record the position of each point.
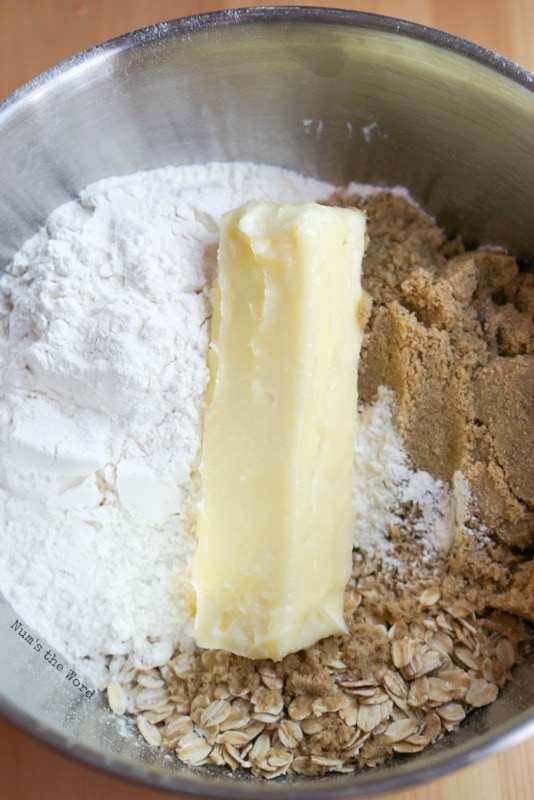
(103, 339)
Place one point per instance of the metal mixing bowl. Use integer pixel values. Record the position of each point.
(338, 95)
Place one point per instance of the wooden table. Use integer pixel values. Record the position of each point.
(35, 35)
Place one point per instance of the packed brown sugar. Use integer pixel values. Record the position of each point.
(452, 334)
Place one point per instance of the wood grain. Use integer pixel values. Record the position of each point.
(35, 35)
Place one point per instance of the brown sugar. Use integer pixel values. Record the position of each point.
(418, 364)
(453, 334)
(519, 597)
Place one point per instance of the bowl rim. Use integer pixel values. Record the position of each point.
(236, 17)
(369, 782)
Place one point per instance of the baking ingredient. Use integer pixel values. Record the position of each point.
(276, 521)
(452, 334)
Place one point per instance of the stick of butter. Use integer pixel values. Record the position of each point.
(275, 524)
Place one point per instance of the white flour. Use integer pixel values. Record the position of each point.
(103, 338)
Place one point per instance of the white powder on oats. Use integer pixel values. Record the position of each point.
(103, 340)
(386, 489)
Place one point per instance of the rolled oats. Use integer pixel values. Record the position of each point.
(260, 748)
(193, 750)
(217, 711)
(151, 733)
(481, 693)
(290, 733)
(369, 717)
(117, 697)
(401, 729)
(505, 653)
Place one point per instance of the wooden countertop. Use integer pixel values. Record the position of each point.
(35, 35)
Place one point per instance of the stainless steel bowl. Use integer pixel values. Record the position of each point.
(338, 95)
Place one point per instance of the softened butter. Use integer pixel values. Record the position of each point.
(275, 524)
